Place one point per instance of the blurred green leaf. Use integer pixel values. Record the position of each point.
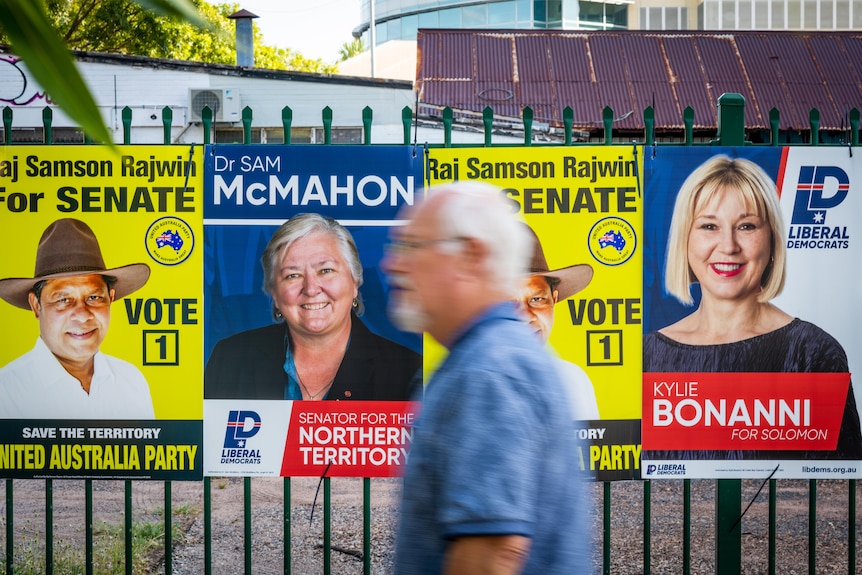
(49, 61)
(180, 9)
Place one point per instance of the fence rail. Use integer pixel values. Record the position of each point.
(728, 501)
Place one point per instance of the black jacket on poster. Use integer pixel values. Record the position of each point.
(250, 365)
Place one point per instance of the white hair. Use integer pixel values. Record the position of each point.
(480, 211)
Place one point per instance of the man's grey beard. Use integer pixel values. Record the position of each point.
(407, 316)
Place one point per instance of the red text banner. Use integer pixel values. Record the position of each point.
(348, 438)
(743, 411)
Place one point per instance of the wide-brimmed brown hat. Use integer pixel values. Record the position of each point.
(572, 278)
(69, 248)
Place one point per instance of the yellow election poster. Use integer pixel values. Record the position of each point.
(584, 206)
(100, 298)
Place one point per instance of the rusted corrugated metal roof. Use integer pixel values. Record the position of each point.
(630, 70)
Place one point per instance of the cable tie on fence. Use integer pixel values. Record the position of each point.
(317, 492)
(753, 499)
(189, 165)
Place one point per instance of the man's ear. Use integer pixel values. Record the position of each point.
(34, 303)
(111, 293)
(556, 295)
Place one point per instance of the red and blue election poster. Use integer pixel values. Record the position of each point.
(295, 310)
(751, 315)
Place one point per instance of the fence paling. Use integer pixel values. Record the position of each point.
(851, 527)
(287, 522)
(246, 491)
(169, 536)
(686, 527)
(647, 525)
(208, 522)
(606, 523)
(812, 526)
(772, 522)
(128, 527)
(88, 525)
(49, 526)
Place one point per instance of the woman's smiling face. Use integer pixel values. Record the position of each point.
(729, 247)
(314, 288)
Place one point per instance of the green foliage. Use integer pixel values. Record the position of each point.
(41, 32)
(350, 49)
(26, 26)
(109, 556)
(129, 27)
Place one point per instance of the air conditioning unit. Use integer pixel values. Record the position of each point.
(223, 102)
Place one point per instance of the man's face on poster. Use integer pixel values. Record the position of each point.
(536, 302)
(74, 314)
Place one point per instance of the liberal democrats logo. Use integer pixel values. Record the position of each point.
(666, 469)
(241, 426)
(818, 190)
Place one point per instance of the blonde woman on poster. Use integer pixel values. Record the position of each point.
(65, 376)
(727, 235)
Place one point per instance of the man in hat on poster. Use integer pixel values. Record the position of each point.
(65, 376)
(540, 291)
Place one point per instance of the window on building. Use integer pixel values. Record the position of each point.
(502, 14)
(297, 136)
(743, 21)
(429, 20)
(761, 15)
(26, 136)
(474, 16)
(555, 13)
(571, 13)
(826, 21)
(779, 12)
(393, 30)
(794, 14)
(728, 16)
(450, 18)
(409, 27)
(382, 32)
(525, 14)
(601, 16)
(540, 13)
(809, 14)
(663, 18)
(842, 14)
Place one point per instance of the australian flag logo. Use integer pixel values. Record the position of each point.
(614, 239)
(170, 238)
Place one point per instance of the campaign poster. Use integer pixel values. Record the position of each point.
(259, 419)
(752, 377)
(584, 206)
(100, 282)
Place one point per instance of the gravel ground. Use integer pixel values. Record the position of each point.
(627, 519)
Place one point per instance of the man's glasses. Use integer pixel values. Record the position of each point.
(395, 246)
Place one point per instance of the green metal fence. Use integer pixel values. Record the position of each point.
(728, 508)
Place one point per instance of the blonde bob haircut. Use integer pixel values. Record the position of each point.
(713, 177)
